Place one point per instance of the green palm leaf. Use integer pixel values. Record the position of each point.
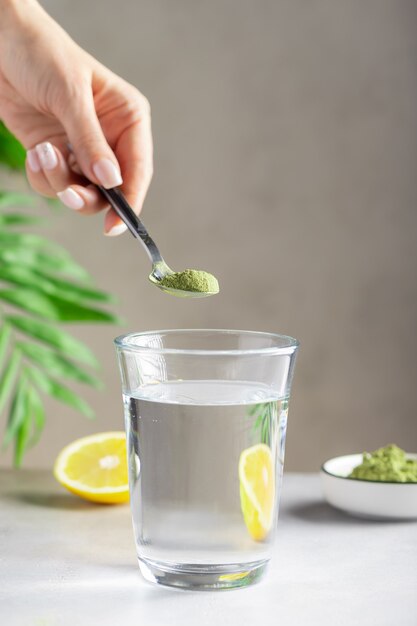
(35, 246)
(40, 277)
(8, 378)
(55, 364)
(53, 388)
(65, 343)
(53, 307)
(10, 198)
(22, 438)
(43, 261)
(18, 411)
(12, 153)
(17, 219)
(13, 239)
(5, 333)
(62, 288)
(38, 413)
(76, 291)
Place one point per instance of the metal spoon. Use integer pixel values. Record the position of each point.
(160, 269)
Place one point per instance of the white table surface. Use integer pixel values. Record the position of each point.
(67, 562)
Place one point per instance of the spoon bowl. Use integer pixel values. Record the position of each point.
(160, 270)
(180, 293)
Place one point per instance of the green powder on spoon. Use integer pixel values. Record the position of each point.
(191, 280)
(389, 464)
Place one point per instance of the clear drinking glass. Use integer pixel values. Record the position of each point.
(206, 417)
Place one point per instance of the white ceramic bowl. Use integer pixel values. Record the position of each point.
(367, 498)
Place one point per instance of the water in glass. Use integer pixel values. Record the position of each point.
(185, 444)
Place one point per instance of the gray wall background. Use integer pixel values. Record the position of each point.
(285, 162)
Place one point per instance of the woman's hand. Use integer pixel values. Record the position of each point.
(78, 120)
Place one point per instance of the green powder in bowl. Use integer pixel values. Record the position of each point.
(191, 280)
(388, 464)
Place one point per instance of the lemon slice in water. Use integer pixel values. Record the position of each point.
(257, 489)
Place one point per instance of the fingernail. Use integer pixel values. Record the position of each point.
(33, 161)
(107, 173)
(47, 155)
(116, 230)
(71, 199)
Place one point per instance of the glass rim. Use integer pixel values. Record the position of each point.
(123, 342)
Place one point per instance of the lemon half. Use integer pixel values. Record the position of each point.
(95, 468)
(257, 490)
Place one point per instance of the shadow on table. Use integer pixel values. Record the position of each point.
(321, 512)
(63, 501)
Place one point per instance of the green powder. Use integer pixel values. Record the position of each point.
(191, 280)
(389, 464)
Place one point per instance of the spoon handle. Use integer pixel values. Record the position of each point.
(118, 201)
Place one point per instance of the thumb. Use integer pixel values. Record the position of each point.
(92, 152)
